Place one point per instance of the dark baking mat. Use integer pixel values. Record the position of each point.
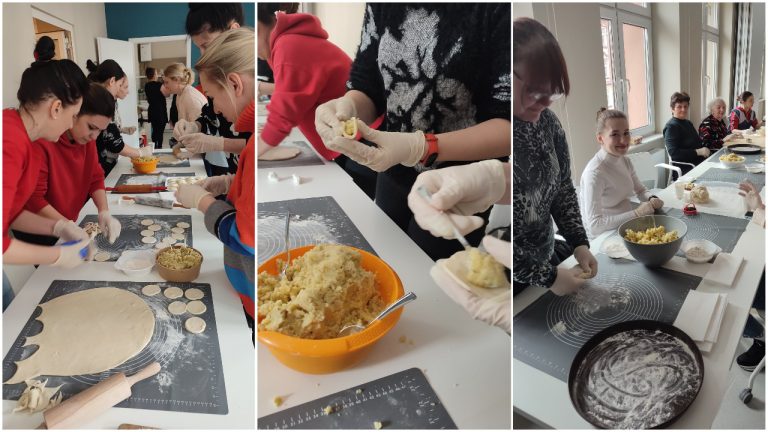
(156, 179)
(723, 231)
(732, 176)
(305, 158)
(191, 378)
(313, 221)
(130, 233)
(549, 332)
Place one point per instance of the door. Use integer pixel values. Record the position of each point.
(123, 52)
(59, 39)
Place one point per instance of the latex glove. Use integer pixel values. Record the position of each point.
(567, 281)
(146, 151)
(329, 115)
(176, 149)
(751, 195)
(586, 260)
(495, 311)
(499, 249)
(184, 127)
(703, 152)
(72, 255)
(458, 192)
(110, 226)
(217, 185)
(129, 130)
(406, 148)
(201, 143)
(657, 203)
(189, 195)
(645, 209)
(68, 231)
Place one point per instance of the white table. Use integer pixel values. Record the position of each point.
(465, 361)
(234, 335)
(545, 399)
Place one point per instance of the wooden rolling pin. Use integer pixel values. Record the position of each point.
(89, 403)
(140, 188)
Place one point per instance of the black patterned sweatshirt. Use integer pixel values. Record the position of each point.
(542, 190)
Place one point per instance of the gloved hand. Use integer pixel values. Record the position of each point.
(217, 185)
(406, 148)
(567, 281)
(657, 203)
(189, 195)
(70, 255)
(199, 142)
(644, 209)
(68, 231)
(329, 114)
(128, 130)
(728, 137)
(751, 195)
(459, 192)
(184, 127)
(176, 149)
(703, 152)
(146, 151)
(586, 260)
(499, 249)
(110, 226)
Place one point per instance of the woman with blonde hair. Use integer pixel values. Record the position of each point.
(228, 75)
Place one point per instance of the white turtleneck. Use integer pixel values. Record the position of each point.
(607, 183)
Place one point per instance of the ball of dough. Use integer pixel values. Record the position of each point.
(102, 256)
(196, 307)
(182, 225)
(149, 240)
(150, 290)
(700, 194)
(194, 294)
(155, 227)
(147, 222)
(195, 325)
(173, 292)
(177, 230)
(147, 233)
(177, 307)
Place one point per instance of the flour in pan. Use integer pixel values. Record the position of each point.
(638, 379)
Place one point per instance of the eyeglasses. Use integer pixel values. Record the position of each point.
(535, 95)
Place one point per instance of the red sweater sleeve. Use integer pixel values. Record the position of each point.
(92, 161)
(296, 89)
(734, 120)
(38, 201)
(13, 165)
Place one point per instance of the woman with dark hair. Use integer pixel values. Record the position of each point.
(70, 173)
(110, 143)
(542, 187)
(681, 137)
(742, 117)
(45, 49)
(158, 112)
(50, 95)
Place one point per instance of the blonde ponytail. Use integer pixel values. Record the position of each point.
(179, 72)
(231, 52)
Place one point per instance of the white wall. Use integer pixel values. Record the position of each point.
(666, 66)
(757, 54)
(343, 22)
(88, 21)
(724, 51)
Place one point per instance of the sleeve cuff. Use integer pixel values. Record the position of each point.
(272, 136)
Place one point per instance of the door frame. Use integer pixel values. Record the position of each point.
(68, 27)
(143, 40)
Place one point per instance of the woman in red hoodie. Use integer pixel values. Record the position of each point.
(309, 71)
(50, 95)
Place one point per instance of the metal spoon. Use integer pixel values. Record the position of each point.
(355, 328)
(287, 245)
(428, 197)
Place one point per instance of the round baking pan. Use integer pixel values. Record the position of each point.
(588, 403)
(745, 149)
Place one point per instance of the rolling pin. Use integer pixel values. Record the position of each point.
(140, 188)
(91, 402)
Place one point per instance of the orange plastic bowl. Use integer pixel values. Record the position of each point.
(145, 167)
(321, 356)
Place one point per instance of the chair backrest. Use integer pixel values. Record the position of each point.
(644, 168)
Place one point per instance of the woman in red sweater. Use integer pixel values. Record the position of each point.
(70, 172)
(50, 95)
(309, 71)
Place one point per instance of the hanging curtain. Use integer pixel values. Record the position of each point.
(742, 47)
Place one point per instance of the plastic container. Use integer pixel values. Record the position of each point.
(321, 356)
(136, 262)
(185, 275)
(145, 167)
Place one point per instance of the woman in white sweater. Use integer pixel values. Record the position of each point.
(609, 179)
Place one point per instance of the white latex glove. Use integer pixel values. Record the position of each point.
(458, 192)
(657, 203)
(703, 152)
(189, 195)
(72, 255)
(176, 149)
(68, 231)
(567, 281)
(645, 209)
(217, 185)
(406, 148)
(201, 143)
(329, 115)
(495, 311)
(751, 195)
(586, 260)
(129, 130)
(184, 127)
(499, 249)
(110, 226)
(146, 151)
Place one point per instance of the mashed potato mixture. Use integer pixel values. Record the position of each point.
(484, 270)
(651, 236)
(324, 290)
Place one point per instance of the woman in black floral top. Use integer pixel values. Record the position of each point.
(713, 131)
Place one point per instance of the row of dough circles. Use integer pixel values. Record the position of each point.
(173, 292)
(195, 307)
(173, 183)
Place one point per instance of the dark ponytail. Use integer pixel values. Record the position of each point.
(60, 79)
(266, 11)
(98, 101)
(45, 49)
(744, 96)
(105, 70)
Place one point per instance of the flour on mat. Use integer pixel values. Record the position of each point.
(594, 297)
(559, 328)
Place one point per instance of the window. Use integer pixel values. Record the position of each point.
(627, 59)
(710, 41)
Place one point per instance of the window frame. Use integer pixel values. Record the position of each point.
(709, 34)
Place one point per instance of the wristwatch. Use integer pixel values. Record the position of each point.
(432, 150)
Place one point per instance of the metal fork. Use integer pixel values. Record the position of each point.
(428, 197)
(287, 244)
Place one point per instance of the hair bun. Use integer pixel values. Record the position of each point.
(91, 66)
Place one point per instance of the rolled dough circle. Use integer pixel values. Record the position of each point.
(169, 240)
(147, 233)
(178, 236)
(177, 230)
(280, 153)
(182, 225)
(195, 325)
(149, 240)
(147, 222)
(168, 159)
(193, 294)
(102, 256)
(196, 307)
(173, 292)
(177, 308)
(150, 290)
(161, 245)
(155, 227)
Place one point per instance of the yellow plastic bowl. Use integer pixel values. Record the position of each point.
(144, 167)
(321, 356)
